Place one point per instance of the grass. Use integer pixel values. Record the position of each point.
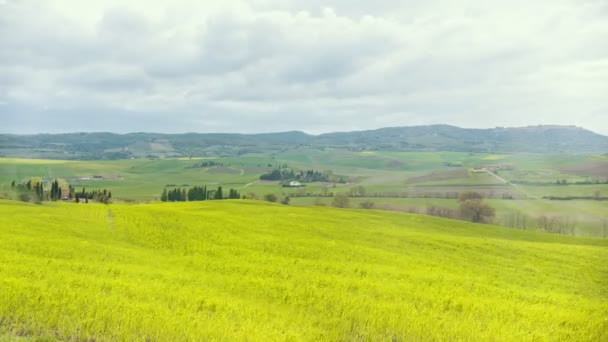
(245, 270)
(588, 216)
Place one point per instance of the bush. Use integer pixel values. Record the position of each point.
(470, 195)
(341, 200)
(24, 197)
(270, 198)
(367, 205)
(441, 212)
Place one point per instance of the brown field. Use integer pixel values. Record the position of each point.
(595, 169)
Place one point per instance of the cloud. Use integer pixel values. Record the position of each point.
(264, 65)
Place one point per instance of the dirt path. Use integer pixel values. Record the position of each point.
(110, 220)
(519, 189)
(246, 185)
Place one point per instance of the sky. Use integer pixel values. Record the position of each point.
(314, 66)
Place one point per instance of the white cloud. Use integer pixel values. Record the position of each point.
(313, 65)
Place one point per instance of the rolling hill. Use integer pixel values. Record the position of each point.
(532, 139)
(246, 270)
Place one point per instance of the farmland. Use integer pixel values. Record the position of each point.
(217, 270)
(401, 181)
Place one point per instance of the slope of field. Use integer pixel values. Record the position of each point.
(244, 270)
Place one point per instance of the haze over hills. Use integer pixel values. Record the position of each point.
(530, 139)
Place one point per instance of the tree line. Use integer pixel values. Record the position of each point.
(307, 176)
(197, 193)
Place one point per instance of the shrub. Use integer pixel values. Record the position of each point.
(270, 198)
(341, 200)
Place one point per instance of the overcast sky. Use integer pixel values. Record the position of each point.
(315, 66)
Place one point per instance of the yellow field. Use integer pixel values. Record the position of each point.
(245, 270)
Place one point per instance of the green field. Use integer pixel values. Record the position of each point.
(419, 172)
(588, 216)
(246, 270)
(389, 177)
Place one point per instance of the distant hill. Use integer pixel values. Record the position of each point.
(531, 139)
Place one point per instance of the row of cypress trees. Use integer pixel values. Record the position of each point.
(37, 189)
(197, 193)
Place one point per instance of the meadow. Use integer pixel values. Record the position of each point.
(248, 270)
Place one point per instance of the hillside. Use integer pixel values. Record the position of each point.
(533, 139)
(245, 270)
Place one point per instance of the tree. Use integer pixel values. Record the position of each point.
(218, 194)
(285, 200)
(324, 191)
(164, 196)
(341, 200)
(233, 194)
(475, 210)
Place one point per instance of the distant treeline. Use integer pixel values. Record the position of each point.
(570, 198)
(207, 163)
(360, 191)
(197, 193)
(561, 182)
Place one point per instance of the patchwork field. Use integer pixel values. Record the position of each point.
(246, 270)
(393, 180)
